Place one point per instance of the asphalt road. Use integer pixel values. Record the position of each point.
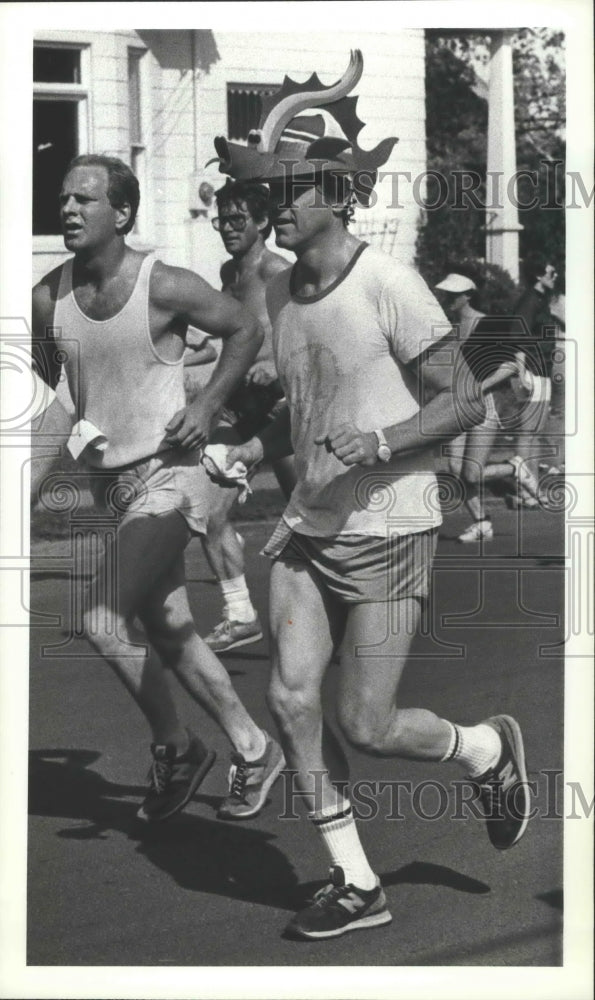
(105, 890)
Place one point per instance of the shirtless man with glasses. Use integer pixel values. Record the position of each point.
(244, 226)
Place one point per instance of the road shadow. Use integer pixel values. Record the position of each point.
(415, 873)
(553, 898)
(199, 854)
(427, 873)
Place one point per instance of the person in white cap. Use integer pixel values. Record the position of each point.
(492, 362)
(359, 347)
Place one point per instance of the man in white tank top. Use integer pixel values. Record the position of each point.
(127, 317)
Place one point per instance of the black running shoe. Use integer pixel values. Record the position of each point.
(503, 791)
(174, 780)
(339, 908)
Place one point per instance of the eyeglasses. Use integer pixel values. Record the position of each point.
(237, 222)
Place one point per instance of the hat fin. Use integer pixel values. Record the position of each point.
(294, 97)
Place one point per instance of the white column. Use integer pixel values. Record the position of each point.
(502, 224)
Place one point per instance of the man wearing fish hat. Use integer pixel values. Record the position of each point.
(373, 384)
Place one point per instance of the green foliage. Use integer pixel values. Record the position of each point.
(456, 129)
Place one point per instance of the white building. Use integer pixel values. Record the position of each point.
(157, 99)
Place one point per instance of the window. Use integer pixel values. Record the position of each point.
(137, 126)
(59, 127)
(244, 107)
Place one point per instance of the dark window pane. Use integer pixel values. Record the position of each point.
(55, 142)
(244, 107)
(56, 65)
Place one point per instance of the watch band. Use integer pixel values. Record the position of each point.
(383, 453)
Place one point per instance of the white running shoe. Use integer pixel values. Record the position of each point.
(524, 477)
(227, 634)
(476, 531)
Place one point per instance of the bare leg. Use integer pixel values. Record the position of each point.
(367, 697)
(478, 447)
(223, 549)
(222, 545)
(170, 628)
(532, 421)
(145, 550)
(305, 627)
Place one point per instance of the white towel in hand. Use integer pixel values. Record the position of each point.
(84, 434)
(214, 459)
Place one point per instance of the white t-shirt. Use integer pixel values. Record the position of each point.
(341, 356)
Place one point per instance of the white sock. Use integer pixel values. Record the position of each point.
(476, 748)
(237, 606)
(339, 833)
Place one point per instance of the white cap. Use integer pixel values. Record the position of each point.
(457, 283)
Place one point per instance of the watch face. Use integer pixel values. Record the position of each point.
(384, 453)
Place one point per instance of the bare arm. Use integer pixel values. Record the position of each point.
(447, 410)
(263, 371)
(187, 297)
(455, 404)
(43, 346)
(502, 373)
(272, 443)
(202, 354)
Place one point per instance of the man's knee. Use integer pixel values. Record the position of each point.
(373, 731)
(109, 633)
(167, 629)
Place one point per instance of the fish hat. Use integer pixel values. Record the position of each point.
(290, 144)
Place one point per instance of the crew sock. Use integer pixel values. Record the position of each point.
(476, 748)
(237, 606)
(336, 826)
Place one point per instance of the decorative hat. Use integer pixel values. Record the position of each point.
(287, 144)
(457, 284)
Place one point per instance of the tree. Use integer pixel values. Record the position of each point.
(456, 126)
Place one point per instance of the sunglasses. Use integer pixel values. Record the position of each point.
(235, 222)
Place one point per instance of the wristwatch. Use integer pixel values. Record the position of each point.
(383, 453)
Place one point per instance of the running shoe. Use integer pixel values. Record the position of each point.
(476, 531)
(249, 782)
(228, 635)
(173, 780)
(503, 791)
(517, 500)
(338, 908)
(524, 477)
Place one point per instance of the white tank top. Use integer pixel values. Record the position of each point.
(116, 378)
